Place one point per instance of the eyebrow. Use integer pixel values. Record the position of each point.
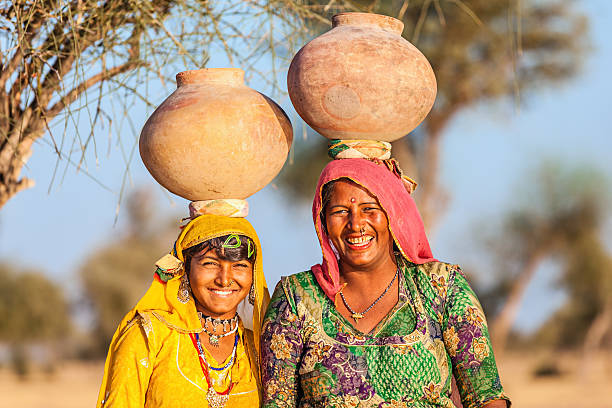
(205, 256)
(344, 206)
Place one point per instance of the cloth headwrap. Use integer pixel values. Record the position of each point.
(358, 149)
(161, 299)
(405, 222)
(202, 229)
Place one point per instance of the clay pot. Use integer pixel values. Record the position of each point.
(362, 80)
(214, 137)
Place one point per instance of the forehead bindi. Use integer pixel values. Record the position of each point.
(350, 193)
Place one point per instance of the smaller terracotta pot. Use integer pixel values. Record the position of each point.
(362, 80)
(215, 138)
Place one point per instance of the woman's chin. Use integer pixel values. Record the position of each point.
(219, 306)
(358, 259)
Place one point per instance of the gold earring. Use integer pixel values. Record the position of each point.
(184, 289)
(252, 295)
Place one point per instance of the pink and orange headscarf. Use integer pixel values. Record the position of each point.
(405, 223)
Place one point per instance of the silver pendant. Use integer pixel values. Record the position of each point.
(213, 340)
(216, 400)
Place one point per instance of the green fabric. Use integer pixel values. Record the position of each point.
(313, 357)
(335, 148)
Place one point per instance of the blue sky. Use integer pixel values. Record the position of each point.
(487, 154)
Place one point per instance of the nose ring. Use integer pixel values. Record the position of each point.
(229, 283)
(362, 231)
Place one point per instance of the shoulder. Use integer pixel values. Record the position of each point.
(436, 276)
(299, 291)
(436, 269)
(134, 335)
(302, 286)
(145, 326)
(298, 281)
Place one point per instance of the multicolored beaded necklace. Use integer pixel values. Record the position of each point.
(215, 399)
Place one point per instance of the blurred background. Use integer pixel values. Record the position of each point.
(514, 165)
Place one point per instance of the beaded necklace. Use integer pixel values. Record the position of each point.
(213, 337)
(215, 399)
(359, 315)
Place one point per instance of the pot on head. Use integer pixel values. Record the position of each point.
(362, 80)
(215, 138)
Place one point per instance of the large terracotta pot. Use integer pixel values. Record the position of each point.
(214, 137)
(362, 80)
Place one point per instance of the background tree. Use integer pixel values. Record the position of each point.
(34, 310)
(480, 50)
(62, 58)
(562, 219)
(115, 276)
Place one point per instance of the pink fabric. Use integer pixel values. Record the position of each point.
(405, 221)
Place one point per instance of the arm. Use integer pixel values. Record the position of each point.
(281, 349)
(466, 337)
(128, 368)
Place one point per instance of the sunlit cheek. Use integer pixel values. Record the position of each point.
(200, 277)
(381, 222)
(333, 230)
(246, 279)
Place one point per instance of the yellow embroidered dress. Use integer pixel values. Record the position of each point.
(152, 361)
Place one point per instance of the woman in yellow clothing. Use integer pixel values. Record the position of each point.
(193, 339)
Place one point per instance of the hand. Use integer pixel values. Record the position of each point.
(496, 404)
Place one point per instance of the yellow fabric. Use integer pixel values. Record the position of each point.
(151, 360)
(161, 369)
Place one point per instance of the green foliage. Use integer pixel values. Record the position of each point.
(115, 276)
(587, 281)
(561, 217)
(32, 307)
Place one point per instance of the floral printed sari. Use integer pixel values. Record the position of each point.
(314, 357)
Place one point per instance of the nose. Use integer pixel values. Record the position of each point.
(356, 221)
(224, 277)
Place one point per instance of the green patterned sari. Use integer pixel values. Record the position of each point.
(312, 356)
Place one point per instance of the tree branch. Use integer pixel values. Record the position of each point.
(32, 27)
(72, 95)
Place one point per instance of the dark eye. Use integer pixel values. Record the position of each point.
(241, 265)
(339, 212)
(209, 263)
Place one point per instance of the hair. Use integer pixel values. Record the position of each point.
(235, 254)
(326, 194)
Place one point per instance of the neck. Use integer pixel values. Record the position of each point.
(226, 315)
(364, 279)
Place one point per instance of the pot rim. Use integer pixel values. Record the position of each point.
(381, 21)
(230, 76)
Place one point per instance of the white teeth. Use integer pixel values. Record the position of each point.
(222, 292)
(360, 241)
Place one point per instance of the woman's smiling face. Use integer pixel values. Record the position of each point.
(219, 285)
(358, 227)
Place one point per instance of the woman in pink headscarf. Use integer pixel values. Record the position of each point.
(380, 322)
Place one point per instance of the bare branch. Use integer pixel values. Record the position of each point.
(73, 95)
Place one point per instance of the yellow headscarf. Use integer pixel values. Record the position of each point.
(162, 299)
